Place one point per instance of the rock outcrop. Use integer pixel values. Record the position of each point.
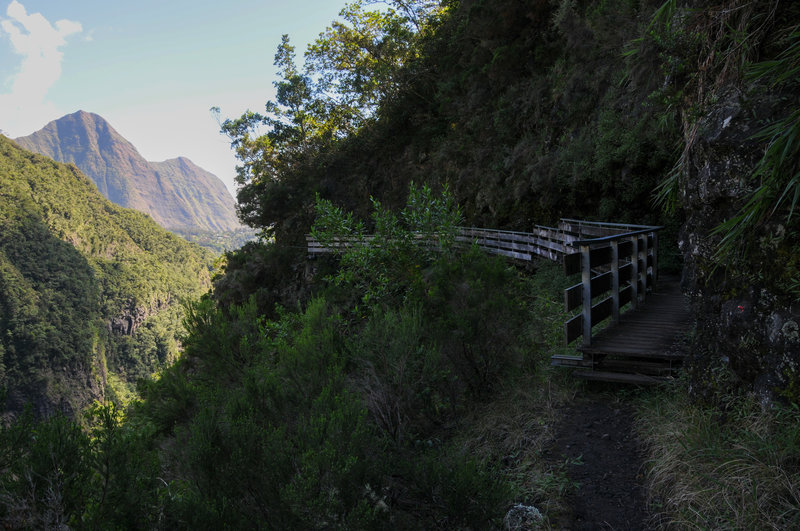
(747, 321)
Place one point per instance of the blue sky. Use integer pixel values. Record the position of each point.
(151, 68)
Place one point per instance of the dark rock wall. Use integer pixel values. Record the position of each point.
(748, 332)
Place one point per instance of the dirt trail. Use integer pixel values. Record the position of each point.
(605, 460)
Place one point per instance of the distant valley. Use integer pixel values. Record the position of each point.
(179, 195)
(90, 292)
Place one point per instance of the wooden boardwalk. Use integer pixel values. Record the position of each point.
(618, 266)
(642, 347)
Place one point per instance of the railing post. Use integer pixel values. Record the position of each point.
(643, 269)
(635, 272)
(655, 260)
(615, 281)
(586, 281)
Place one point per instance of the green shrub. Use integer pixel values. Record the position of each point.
(405, 381)
(475, 317)
(457, 492)
(45, 473)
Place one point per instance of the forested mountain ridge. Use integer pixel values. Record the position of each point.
(176, 193)
(90, 291)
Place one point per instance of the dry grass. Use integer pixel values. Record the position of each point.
(735, 466)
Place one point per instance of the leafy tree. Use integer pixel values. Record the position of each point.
(383, 266)
(292, 131)
(359, 58)
(349, 69)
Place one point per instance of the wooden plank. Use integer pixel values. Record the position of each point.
(560, 360)
(617, 377)
(567, 357)
(314, 246)
(573, 297)
(600, 256)
(553, 256)
(602, 310)
(633, 365)
(629, 350)
(572, 264)
(501, 235)
(573, 329)
(601, 284)
(584, 231)
(573, 294)
(555, 246)
(549, 234)
(510, 254)
(495, 243)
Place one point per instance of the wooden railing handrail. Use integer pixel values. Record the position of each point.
(607, 224)
(623, 263)
(613, 237)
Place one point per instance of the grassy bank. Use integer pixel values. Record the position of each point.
(730, 465)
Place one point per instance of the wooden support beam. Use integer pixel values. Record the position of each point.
(635, 271)
(643, 269)
(586, 280)
(615, 281)
(654, 262)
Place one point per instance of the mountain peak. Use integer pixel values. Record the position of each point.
(81, 113)
(176, 193)
(81, 116)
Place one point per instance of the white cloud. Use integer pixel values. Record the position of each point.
(38, 42)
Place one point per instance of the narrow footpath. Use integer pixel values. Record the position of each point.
(605, 463)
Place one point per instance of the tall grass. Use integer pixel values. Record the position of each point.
(734, 466)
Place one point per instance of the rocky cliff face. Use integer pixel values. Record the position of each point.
(176, 193)
(201, 196)
(747, 322)
(133, 316)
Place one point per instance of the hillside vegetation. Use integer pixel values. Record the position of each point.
(90, 291)
(400, 386)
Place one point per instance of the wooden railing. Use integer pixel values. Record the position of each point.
(617, 269)
(546, 242)
(616, 261)
(316, 247)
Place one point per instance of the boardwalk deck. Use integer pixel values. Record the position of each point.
(643, 343)
(618, 264)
